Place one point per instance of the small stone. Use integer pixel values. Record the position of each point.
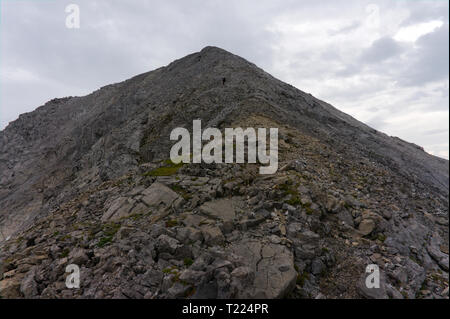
(317, 266)
(78, 256)
(274, 239)
(387, 214)
(366, 226)
(167, 244)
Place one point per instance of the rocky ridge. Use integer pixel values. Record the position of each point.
(102, 194)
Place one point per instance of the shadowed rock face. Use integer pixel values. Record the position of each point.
(88, 162)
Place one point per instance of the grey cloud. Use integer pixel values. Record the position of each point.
(425, 11)
(430, 62)
(435, 132)
(381, 50)
(344, 30)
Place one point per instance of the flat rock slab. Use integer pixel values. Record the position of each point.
(159, 196)
(219, 209)
(194, 220)
(10, 287)
(119, 208)
(273, 265)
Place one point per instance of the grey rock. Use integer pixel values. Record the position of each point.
(366, 226)
(178, 290)
(28, 287)
(273, 268)
(219, 209)
(119, 208)
(78, 256)
(192, 276)
(159, 197)
(189, 235)
(167, 244)
(212, 235)
(317, 266)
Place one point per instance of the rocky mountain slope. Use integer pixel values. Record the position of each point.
(87, 180)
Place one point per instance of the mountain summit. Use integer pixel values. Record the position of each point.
(87, 181)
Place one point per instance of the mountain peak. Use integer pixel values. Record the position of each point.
(88, 178)
(214, 49)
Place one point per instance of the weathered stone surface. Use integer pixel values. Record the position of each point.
(167, 244)
(119, 208)
(212, 235)
(219, 209)
(159, 196)
(366, 226)
(78, 256)
(28, 286)
(272, 265)
(189, 235)
(10, 287)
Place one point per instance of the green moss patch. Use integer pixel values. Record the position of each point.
(168, 169)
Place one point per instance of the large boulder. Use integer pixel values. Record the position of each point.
(272, 266)
(159, 197)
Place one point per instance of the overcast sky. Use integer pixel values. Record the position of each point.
(384, 62)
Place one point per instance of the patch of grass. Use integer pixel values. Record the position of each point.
(93, 230)
(109, 230)
(104, 241)
(301, 278)
(168, 169)
(203, 222)
(136, 216)
(381, 237)
(308, 209)
(412, 258)
(64, 253)
(65, 237)
(289, 189)
(8, 260)
(171, 223)
(170, 270)
(176, 278)
(188, 262)
(293, 201)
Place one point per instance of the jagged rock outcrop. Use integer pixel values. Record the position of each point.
(87, 180)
